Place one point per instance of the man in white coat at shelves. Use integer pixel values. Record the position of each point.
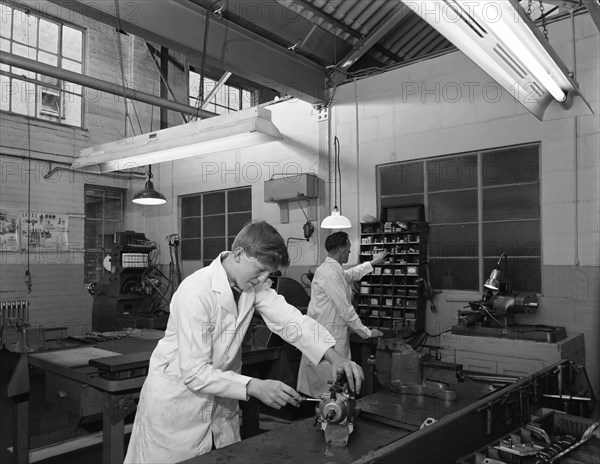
(331, 306)
(189, 402)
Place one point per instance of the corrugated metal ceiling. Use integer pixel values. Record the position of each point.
(373, 34)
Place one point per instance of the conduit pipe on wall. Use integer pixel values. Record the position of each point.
(98, 84)
(67, 167)
(575, 159)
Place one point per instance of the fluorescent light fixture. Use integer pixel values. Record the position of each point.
(500, 38)
(240, 129)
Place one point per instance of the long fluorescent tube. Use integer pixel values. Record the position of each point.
(500, 38)
(240, 129)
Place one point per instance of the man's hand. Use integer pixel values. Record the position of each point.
(273, 393)
(354, 372)
(379, 258)
(375, 333)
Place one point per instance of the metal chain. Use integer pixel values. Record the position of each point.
(529, 8)
(544, 29)
(121, 64)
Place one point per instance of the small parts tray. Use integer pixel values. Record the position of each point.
(541, 441)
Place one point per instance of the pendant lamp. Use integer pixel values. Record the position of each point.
(149, 196)
(336, 220)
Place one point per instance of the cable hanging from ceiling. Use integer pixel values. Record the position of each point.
(336, 220)
(148, 196)
(200, 99)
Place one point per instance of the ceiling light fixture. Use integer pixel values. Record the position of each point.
(238, 129)
(336, 220)
(149, 196)
(503, 41)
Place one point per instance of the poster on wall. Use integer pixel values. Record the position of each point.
(9, 232)
(44, 231)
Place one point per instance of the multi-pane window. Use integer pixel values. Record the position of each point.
(226, 99)
(211, 220)
(47, 41)
(478, 205)
(104, 216)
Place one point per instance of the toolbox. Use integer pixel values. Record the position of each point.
(550, 437)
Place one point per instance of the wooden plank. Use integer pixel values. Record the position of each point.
(76, 357)
(571, 348)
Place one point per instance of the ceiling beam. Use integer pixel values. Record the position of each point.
(374, 36)
(112, 88)
(179, 25)
(594, 8)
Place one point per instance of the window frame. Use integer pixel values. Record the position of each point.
(227, 89)
(61, 89)
(476, 239)
(91, 254)
(228, 235)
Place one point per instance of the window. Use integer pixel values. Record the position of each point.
(478, 206)
(47, 41)
(104, 212)
(227, 99)
(210, 221)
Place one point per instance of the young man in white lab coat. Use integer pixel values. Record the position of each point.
(331, 306)
(189, 401)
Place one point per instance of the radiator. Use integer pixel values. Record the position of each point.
(14, 312)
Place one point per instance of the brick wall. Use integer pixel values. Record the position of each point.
(30, 178)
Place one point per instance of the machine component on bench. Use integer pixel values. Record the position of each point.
(497, 309)
(336, 412)
(494, 316)
(401, 368)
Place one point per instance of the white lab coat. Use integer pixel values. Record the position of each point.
(331, 306)
(190, 398)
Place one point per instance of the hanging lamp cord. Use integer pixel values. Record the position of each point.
(28, 280)
(122, 67)
(200, 99)
(338, 172)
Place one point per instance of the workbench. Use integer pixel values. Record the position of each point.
(384, 418)
(388, 427)
(505, 356)
(125, 364)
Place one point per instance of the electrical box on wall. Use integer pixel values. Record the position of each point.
(291, 188)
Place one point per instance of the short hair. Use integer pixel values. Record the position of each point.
(261, 240)
(336, 240)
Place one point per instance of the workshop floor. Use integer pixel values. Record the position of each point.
(47, 425)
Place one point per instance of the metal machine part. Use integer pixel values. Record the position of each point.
(336, 412)
(498, 309)
(494, 316)
(405, 371)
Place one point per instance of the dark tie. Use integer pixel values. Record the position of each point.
(236, 295)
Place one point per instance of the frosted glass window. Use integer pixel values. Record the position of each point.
(228, 97)
(49, 41)
(210, 220)
(478, 205)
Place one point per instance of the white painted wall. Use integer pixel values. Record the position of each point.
(297, 153)
(448, 105)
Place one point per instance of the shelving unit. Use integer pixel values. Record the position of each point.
(390, 297)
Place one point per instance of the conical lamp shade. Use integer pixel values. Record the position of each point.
(149, 196)
(493, 283)
(336, 221)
